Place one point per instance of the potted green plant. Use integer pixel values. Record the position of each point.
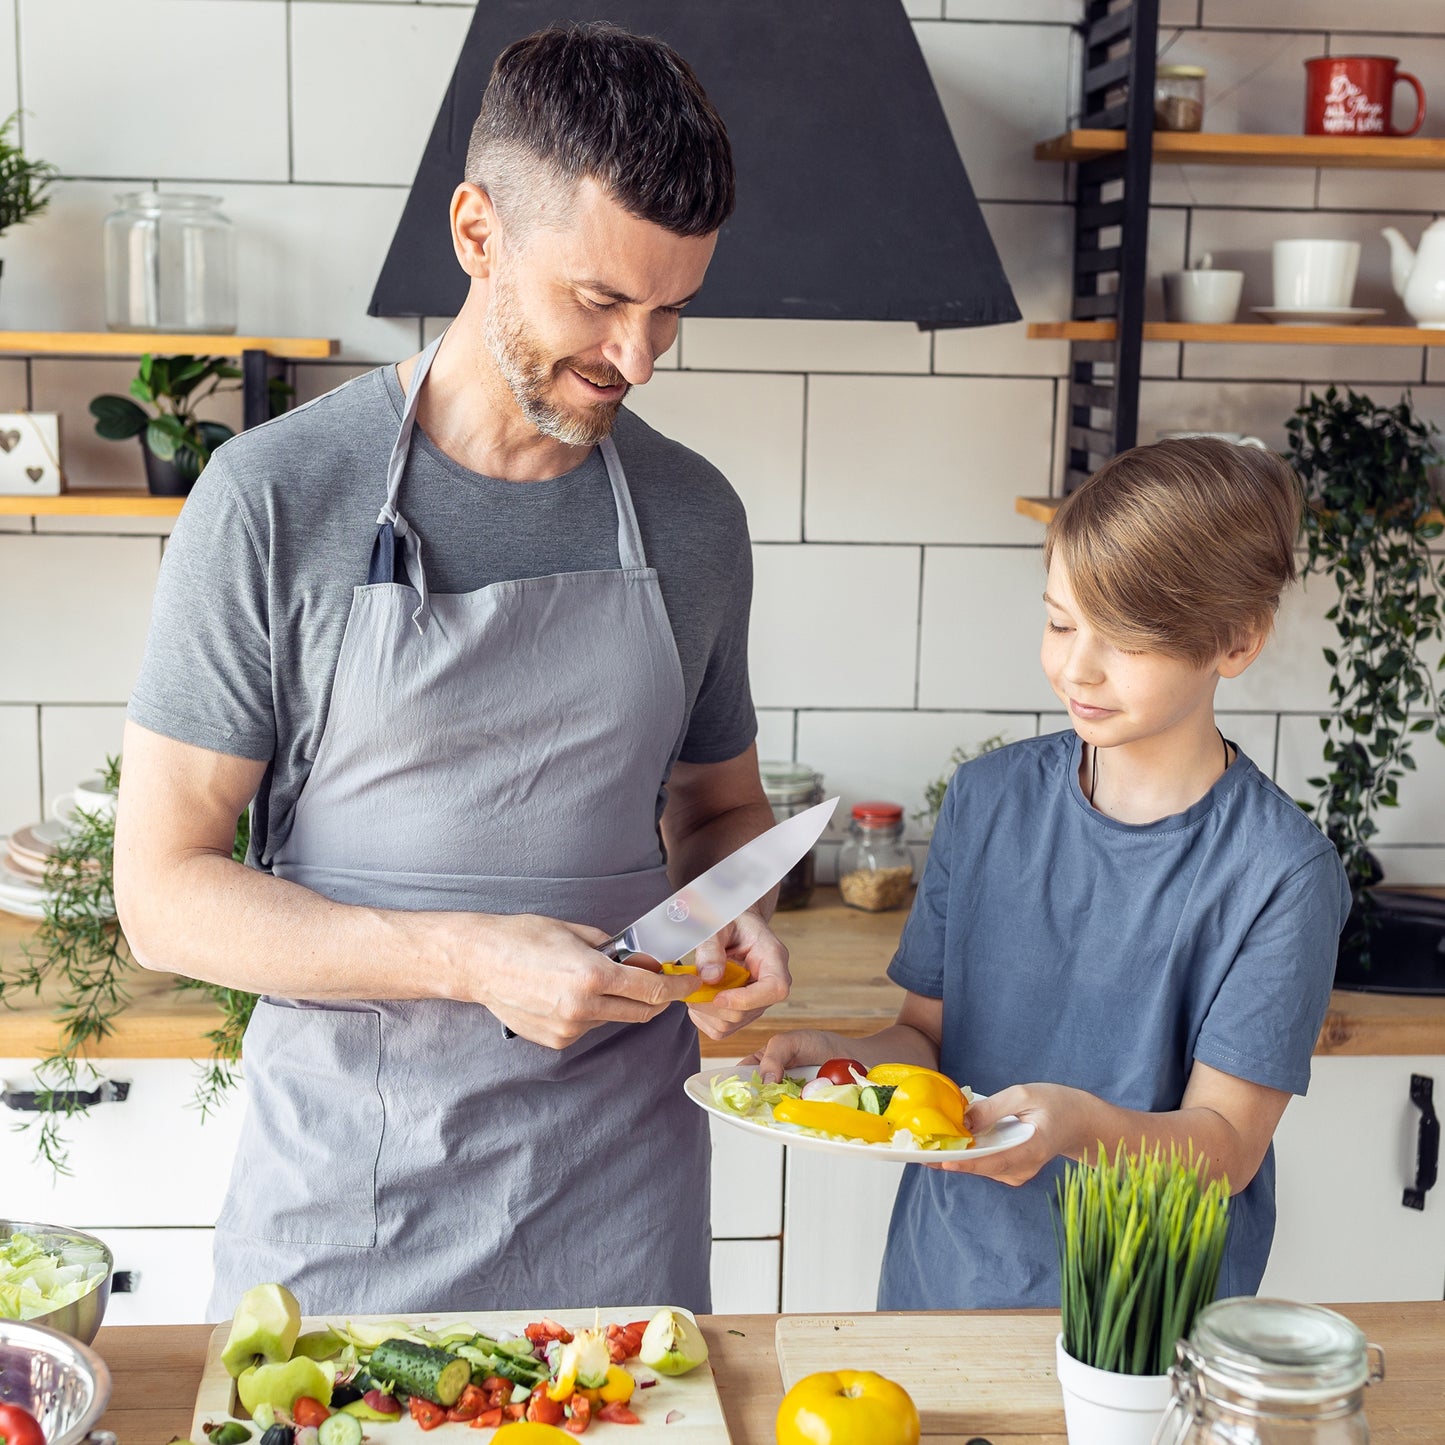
(24, 184)
(1372, 512)
(175, 442)
(79, 956)
(1141, 1238)
(934, 792)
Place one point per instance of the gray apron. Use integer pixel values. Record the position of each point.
(496, 751)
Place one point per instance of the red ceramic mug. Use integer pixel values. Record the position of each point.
(1353, 94)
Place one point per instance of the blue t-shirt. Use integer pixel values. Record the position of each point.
(1073, 949)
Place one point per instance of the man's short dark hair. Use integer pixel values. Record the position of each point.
(593, 100)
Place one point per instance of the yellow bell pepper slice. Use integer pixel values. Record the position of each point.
(833, 1119)
(619, 1386)
(893, 1074)
(927, 1093)
(734, 976)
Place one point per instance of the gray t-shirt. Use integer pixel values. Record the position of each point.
(1073, 949)
(256, 584)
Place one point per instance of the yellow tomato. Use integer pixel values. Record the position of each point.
(833, 1119)
(931, 1095)
(530, 1432)
(849, 1407)
(896, 1073)
(734, 976)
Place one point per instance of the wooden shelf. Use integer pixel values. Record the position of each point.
(1202, 148)
(136, 343)
(99, 502)
(1261, 334)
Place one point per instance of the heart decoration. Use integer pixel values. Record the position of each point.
(35, 473)
(9, 440)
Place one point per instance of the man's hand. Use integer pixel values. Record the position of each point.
(753, 944)
(547, 982)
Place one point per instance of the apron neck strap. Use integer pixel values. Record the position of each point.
(629, 536)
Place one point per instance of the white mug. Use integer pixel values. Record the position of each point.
(90, 796)
(1202, 297)
(1238, 438)
(1314, 275)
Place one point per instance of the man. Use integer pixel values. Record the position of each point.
(462, 772)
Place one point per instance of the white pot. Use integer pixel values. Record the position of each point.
(1102, 1408)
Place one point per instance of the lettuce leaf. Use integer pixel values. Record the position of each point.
(35, 1280)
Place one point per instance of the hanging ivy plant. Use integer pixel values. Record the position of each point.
(80, 953)
(1372, 513)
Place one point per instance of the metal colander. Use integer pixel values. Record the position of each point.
(63, 1383)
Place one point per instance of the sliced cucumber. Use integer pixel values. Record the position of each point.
(873, 1098)
(339, 1430)
(415, 1369)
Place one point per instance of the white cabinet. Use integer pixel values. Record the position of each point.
(168, 1273)
(1345, 1154)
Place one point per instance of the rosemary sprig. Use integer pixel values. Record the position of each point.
(79, 946)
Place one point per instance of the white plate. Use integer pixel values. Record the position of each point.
(1008, 1133)
(1317, 315)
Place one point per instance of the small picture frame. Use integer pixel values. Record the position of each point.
(30, 454)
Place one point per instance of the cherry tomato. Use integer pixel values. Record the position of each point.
(836, 1071)
(19, 1427)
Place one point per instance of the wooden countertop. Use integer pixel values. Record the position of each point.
(839, 960)
(157, 1369)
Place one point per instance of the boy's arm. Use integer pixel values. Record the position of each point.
(1228, 1122)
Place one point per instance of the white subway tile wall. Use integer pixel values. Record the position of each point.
(897, 608)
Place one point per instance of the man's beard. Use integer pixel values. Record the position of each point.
(530, 376)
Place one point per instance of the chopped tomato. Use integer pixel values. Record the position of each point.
(515, 1412)
(618, 1414)
(498, 1391)
(470, 1403)
(545, 1410)
(307, 1411)
(426, 1414)
(488, 1419)
(581, 1414)
(624, 1341)
(544, 1330)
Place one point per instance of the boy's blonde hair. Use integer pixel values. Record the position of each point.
(1183, 547)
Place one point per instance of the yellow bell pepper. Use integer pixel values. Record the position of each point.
(619, 1386)
(896, 1073)
(849, 1407)
(833, 1119)
(928, 1106)
(734, 976)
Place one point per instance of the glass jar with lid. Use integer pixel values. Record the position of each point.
(791, 788)
(1270, 1372)
(875, 868)
(170, 264)
(1178, 97)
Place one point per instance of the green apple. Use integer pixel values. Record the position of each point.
(281, 1385)
(266, 1323)
(318, 1344)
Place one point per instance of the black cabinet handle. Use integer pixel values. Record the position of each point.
(29, 1101)
(125, 1281)
(1427, 1145)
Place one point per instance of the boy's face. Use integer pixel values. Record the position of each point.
(1113, 696)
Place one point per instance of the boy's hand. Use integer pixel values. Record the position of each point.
(1060, 1117)
(795, 1050)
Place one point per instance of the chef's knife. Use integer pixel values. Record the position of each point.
(715, 898)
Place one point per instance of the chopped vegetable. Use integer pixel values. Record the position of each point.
(748, 1097)
(35, 1280)
(233, 1432)
(834, 1119)
(426, 1413)
(421, 1370)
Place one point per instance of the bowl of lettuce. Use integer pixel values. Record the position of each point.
(55, 1277)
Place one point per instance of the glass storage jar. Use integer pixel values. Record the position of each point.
(792, 787)
(875, 868)
(1178, 97)
(1270, 1372)
(170, 264)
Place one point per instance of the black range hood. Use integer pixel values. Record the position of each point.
(853, 203)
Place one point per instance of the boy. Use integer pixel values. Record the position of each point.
(1129, 913)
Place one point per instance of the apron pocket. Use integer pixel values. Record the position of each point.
(305, 1168)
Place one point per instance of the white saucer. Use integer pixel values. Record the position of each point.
(1317, 315)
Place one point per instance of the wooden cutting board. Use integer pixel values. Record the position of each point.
(694, 1396)
(968, 1374)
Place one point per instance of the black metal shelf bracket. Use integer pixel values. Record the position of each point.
(1111, 232)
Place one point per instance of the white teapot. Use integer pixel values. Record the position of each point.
(1419, 276)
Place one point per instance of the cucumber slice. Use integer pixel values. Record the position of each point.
(339, 1430)
(416, 1369)
(874, 1098)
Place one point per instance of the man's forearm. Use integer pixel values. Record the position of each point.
(695, 852)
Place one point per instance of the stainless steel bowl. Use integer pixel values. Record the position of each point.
(63, 1383)
(81, 1318)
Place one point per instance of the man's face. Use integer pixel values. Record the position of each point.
(578, 316)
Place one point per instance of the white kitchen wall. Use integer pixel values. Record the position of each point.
(896, 610)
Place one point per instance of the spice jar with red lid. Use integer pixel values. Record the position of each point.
(875, 868)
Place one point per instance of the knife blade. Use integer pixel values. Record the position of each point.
(715, 898)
